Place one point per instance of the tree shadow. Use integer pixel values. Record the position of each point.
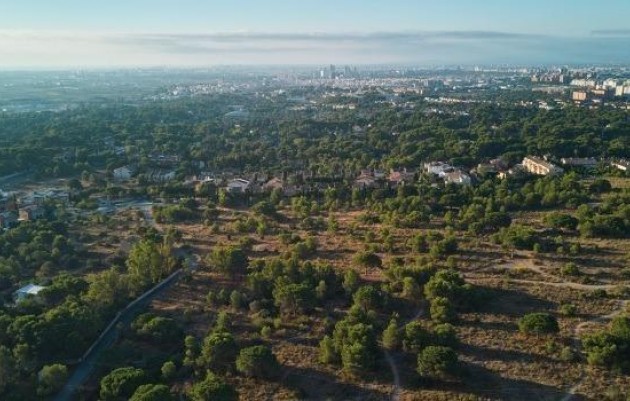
(311, 384)
(486, 383)
(512, 303)
(494, 326)
(508, 355)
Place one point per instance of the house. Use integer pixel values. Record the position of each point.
(457, 177)
(400, 177)
(124, 173)
(162, 159)
(238, 186)
(29, 290)
(622, 165)
(8, 220)
(437, 168)
(579, 161)
(379, 174)
(485, 169)
(535, 165)
(516, 171)
(365, 181)
(279, 184)
(160, 175)
(274, 183)
(31, 212)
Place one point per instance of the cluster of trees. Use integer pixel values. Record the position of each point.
(611, 347)
(38, 248)
(183, 212)
(67, 316)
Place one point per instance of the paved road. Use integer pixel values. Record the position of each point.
(90, 361)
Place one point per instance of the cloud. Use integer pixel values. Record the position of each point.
(35, 48)
(611, 32)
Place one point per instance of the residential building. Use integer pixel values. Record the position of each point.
(31, 212)
(623, 165)
(238, 185)
(29, 290)
(535, 165)
(400, 177)
(364, 182)
(437, 168)
(8, 220)
(124, 173)
(579, 161)
(160, 175)
(280, 185)
(579, 96)
(515, 172)
(457, 177)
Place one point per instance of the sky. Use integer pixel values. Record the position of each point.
(118, 33)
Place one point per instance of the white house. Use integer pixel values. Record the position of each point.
(160, 175)
(622, 165)
(29, 290)
(579, 161)
(437, 168)
(237, 185)
(123, 173)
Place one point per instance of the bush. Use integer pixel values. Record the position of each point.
(219, 350)
(445, 335)
(157, 329)
(416, 337)
(51, 379)
(120, 383)
(169, 370)
(152, 392)
(442, 310)
(611, 347)
(538, 323)
(568, 310)
(212, 389)
(391, 337)
(437, 362)
(570, 269)
(257, 361)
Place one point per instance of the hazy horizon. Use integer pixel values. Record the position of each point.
(192, 33)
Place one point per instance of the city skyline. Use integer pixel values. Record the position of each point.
(193, 33)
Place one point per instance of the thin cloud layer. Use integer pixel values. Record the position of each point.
(33, 48)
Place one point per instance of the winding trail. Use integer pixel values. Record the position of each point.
(392, 362)
(577, 343)
(622, 307)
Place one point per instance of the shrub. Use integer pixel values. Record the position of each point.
(51, 379)
(538, 323)
(152, 392)
(570, 269)
(391, 337)
(437, 362)
(120, 383)
(257, 361)
(416, 337)
(212, 389)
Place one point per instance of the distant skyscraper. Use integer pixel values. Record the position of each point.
(333, 73)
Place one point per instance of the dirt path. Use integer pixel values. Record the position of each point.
(392, 362)
(577, 343)
(577, 331)
(562, 284)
